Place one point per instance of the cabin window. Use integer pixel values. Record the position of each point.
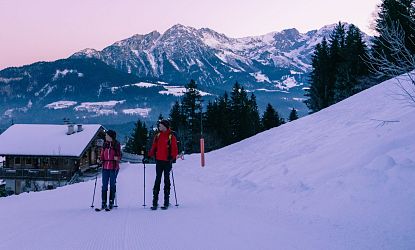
(36, 162)
(60, 162)
(54, 162)
(17, 161)
(28, 161)
(45, 162)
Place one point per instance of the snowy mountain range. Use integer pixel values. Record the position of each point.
(341, 178)
(143, 75)
(211, 58)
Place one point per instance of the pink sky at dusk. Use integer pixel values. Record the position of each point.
(47, 30)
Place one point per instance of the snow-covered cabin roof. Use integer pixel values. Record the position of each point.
(46, 140)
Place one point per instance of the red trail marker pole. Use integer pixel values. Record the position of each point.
(202, 152)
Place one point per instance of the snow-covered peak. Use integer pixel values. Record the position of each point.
(134, 38)
(217, 40)
(180, 38)
(180, 30)
(290, 33)
(139, 41)
(212, 33)
(327, 29)
(316, 36)
(88, 53)
(179, 26)
(268, 38)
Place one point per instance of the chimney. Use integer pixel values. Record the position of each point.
(79, 129)
(70, 129)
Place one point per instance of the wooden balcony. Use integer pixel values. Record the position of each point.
(36, 174)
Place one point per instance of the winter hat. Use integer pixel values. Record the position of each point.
(165, 123)
(112, 134)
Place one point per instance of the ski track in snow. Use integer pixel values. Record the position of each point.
(202, 221)
(208, 217)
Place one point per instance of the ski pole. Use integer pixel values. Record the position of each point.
(116, 175)
(93, 197)
(144, 163)
(174, 187)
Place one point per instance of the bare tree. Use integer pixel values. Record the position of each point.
(400, 63)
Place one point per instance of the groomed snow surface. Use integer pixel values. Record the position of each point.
(337, 179)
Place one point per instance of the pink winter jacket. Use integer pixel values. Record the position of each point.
(108, 152)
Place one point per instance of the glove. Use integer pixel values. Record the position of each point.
(171, 160)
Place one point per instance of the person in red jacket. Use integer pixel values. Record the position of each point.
(110, 157)
(164, 149)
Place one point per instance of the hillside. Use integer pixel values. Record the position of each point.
(337, 179)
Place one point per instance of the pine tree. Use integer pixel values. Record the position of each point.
(394, 12)
(353, 67)
(392, 53)
(254, 116)
(178, 123)
(337, 57)
(192, 111)
(224, 125)
(270, 118)
(240, 113)
(293, 115)
(176, 117)
(138, 140)
(320, 92)
(338, 68)
(337, 43)
(212, 125)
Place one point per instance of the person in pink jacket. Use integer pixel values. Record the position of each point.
(110, 157)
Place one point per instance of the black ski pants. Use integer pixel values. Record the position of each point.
(163, 167)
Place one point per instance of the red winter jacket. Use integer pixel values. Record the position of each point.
(108, 152)
(160, 147)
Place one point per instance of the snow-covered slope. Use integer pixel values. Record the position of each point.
(337, 179)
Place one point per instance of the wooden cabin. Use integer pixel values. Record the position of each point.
(49, 152)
